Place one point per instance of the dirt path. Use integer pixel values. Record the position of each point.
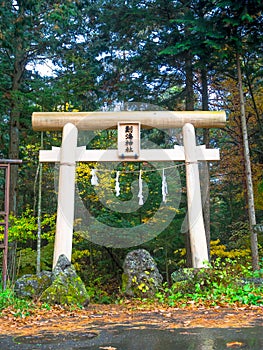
(59, 320)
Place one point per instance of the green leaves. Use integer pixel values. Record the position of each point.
(24, 228)
(176, 49)
(21, 307)
(221, 284)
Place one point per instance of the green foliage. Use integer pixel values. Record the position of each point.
(23, 231)
(98, 268)
(21, 307)
(24, 228)
(26, 264)
(223, 282)
(98, 293)
(221, 251)
(27, 258)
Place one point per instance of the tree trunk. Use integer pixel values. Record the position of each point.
(189, 82)
(249, 183)
(14, 154)
(15, 114)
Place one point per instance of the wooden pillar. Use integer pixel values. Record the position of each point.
(195, 214)
(66, 193)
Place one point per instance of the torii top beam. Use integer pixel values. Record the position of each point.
(51, 121)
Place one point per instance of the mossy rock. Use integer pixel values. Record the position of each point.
(66, 290)
(67, 287)
(32, 286)
(140, 277)
(62, 286)
(185, 274)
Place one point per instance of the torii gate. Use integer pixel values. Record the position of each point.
(68, 154)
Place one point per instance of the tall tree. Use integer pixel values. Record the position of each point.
(241, 22)
(248, 171)
(30, 32)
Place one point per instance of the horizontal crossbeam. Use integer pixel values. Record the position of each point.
(148, 155)
(48, 121)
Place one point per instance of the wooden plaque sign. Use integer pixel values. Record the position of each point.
(129, 139)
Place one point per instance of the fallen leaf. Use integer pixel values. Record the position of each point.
(234, 344)
(107, 348)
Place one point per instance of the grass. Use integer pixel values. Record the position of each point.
(18, 307)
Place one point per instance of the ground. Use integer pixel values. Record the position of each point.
(59, 320)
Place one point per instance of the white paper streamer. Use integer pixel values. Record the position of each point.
(94, 178)
(164, 187)
(140, 195)
(117, 184)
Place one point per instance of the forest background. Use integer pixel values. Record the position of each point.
(102, 55)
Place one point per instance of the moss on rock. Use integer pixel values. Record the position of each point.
(141, 277)
(32, 286)
(62, 286)
(66, 290)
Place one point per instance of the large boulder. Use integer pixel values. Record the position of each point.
(141, 277)
(184, 280)
(185, 274)
(32, 286)
(257, 281)
(67, 287)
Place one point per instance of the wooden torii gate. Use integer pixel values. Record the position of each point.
(68, 154)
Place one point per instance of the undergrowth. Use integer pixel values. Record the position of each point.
(18, 307)
(220, 283)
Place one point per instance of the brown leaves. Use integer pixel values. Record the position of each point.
(58, 319)
(235, 344)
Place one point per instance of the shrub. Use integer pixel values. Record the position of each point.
(223, 282)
